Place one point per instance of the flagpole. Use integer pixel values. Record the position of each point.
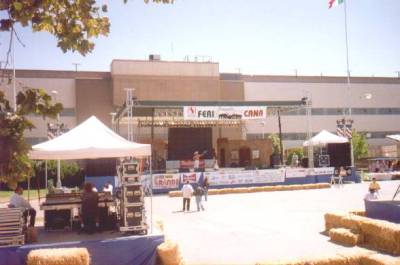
(348, 80)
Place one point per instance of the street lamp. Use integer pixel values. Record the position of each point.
(263, 129)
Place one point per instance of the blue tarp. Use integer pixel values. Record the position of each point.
(130, 250)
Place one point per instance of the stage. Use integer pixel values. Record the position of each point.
(105, 248)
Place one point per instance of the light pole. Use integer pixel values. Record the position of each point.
(263, 129)
(55, 93)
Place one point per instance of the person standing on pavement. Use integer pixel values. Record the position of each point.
(198, 193)
(187, 191)
(206, 184)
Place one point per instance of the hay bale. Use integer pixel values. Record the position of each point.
(175, 193)
(169, 253)
(359, 213)
(59, 256)
(352, 222)
(212, 192)
(381, 235)
(332, 220)
(323, 185)
(258, 189)
(379, 259)
(344, 236)
(269, 188)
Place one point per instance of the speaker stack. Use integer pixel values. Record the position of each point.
(132, 210)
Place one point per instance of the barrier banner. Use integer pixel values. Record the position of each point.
(321, 171)
(296, 172)
(224, 112)
(191, 177)
(165, 181)
(270, 176)
(245, 177)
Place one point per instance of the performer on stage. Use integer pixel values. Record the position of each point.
(17, 201)
(196, 159)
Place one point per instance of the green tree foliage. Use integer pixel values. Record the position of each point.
(73, 22)
(14, 162)
(276, 147)
(298, 151)
(360, 145)
(69, 171)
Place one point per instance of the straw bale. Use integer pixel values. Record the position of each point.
(379, 259)
(382, 235)
(213, 192)
(323, 185)
(242, 190)
(309, 186)
(169, 253)
(358, 212)
(59, 256)
(258, 189)
(344, 236)
(268, 188)
(332, 220)
(175, 193)
(352, 222)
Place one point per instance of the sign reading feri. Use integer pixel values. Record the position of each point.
(224, 112)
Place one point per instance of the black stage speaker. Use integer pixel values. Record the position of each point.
(304, 162)
(57, 219)
(183, 142)
(339, 154)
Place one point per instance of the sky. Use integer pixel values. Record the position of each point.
(260, 37)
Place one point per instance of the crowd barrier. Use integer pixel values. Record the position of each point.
(229, 178)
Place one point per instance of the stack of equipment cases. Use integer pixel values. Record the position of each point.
(11, 227)
(132, 211)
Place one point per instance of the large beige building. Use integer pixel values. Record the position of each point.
(374, 101)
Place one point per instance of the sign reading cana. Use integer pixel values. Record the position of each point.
(224, 113)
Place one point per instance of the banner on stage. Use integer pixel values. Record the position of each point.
(165, 181)
(212, 113)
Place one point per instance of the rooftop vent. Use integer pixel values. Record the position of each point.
(154, 57)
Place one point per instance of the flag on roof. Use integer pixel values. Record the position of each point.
(333, 3)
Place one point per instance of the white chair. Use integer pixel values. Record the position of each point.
(337, 177)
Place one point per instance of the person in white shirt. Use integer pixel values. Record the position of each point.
(108, 188)
(187, 191)
(17, 201)
(371, 195)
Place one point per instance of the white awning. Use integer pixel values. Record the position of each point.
(89, 140)
(394, 137)
(325, 137)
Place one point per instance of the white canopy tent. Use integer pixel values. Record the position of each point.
(394, 137)
(90, 139)
(325, 137)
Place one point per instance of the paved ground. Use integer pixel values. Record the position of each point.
(245, 228)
